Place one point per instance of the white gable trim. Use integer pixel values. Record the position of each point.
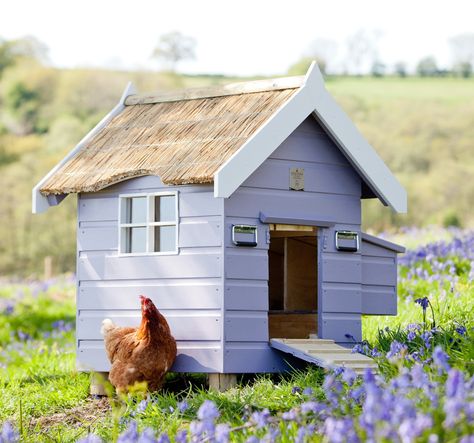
(312, 97)
(41, 203)
(268, 137)
(356, 148)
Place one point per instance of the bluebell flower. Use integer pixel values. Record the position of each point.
(142, 406)
(260, 418)
(440, 358)
(91, 438)
(181, 436)
(183, 406)
(311, 407)
(208, 411)
(461, 330)
(308, 391)
(455, 384)
(290, 415)
(252, 439)
(423, 302)
(296, 390)
(148, 436)
(411, 336)
(272, 435)
(9, 435)
(427, 336)
(222, 433)
(163, 438)
(349, 376)
(130, 435)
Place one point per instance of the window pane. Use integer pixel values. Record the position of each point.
(165, 208)
(165, 238)
(136, 210)
(136, 240)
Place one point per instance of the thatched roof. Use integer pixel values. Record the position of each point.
(183, 137)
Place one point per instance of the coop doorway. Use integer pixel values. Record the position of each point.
(293, 281)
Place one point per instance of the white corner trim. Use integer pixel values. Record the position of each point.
(269, 136)
(360, 153)
(40, 203)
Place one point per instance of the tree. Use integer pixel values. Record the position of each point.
(378, 69)
(462, 49)
(427, 67)
(22, 48)
(173, 48)
(362, 50)
(400, 69)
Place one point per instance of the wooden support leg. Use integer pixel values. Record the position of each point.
(98, 381)
(222, 382)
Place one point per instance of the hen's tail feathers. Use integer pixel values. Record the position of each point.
(107, 325)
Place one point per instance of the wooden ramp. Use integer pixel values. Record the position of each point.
(324, 353)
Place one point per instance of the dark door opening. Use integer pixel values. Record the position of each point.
(293, 281)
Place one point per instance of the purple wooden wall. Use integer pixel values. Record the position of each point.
(187, 288)
(332, 193)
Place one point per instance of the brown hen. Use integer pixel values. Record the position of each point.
(143, 354)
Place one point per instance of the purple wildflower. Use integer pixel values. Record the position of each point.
(290, 415)
(411, 336)
(260, 418)
(461, 330)
(340, 430)
(181, 436)
(142, 406)
(148, 436)
(296, 390)
(183, 406)
(222, 433)
(130, 435)
(208, 411)
(163, 438)
(252, 439)
(91, 438)
(440, 358)
(311, 407)
(423, 302)
(308, 391)
(349, 376)
(397, 349)
(9, 435)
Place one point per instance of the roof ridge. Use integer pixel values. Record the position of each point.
(238, 88)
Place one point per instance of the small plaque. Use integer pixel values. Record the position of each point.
(347, 241)
(297, 179)
(244, 235)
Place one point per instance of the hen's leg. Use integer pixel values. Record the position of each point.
(124, 374)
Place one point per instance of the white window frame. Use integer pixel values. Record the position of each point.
(149, 224)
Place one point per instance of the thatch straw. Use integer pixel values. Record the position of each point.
(182, 142)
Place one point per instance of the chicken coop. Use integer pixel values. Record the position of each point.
(237, 210)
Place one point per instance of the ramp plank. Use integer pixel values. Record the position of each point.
(324, 353)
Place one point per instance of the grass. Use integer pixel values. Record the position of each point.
(47, 399)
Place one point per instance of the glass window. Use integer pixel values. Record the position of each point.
(148, 224)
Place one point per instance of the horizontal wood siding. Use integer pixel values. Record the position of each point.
(254, 357)
(192, 356)
(166, 294)
(379, 280)
(340, 290)
(197, 325)
(186, 287)
(332, 191)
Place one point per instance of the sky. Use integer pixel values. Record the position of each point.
(258, 37)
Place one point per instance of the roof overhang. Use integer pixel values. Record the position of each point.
(40, 202)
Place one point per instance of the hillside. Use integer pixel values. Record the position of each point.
(422, 128)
